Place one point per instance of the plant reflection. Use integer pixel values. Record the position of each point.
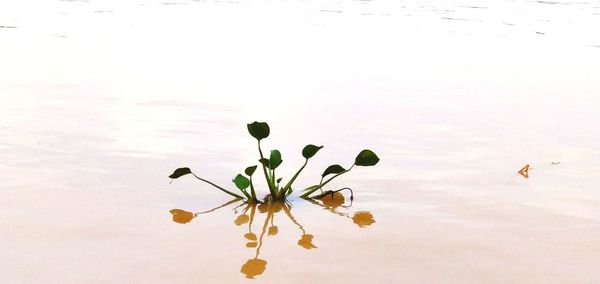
(256, 266)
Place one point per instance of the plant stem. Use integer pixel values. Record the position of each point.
(309, 192)
(265, 170)
(289, 184)
(220, 188)
(252, 192)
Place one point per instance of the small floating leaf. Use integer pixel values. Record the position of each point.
(310, 150)
(366, 158)
(251, 244)
(250, 170)
(259, 130)
(180, 172)
(250, 236)
(275, 159)
(333, 169)
(241, 181)
(524, 171)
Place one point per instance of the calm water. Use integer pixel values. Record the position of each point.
(101, 100)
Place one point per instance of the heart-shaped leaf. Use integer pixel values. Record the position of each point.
(275, 159)
(180, 172)
(333, 169)
(241, 182)
(310, 150)
(250, 170)
(259, 130)
(366, 158)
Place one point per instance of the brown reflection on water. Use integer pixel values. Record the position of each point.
(336, 200)
(255, 266)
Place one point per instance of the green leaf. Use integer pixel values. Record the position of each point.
(264, 161)
(310, 150)
(180, 172)
(333, 169)
(241, 182)
(279, 180)
(250, 170)
(259, 130)
(366, 158)
(275, 159)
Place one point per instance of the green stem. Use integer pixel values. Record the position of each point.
(265, 170)
(252, 192)
(220, 188)
(289, 184)
(313, 189)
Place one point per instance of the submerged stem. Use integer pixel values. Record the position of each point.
(218, 207)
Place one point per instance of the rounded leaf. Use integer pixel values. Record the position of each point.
(241, 181)
(250, 170)
(333, 169)
(242, 219)
(363, 218)
(275, 159)
(182, 216)
(180, 172)
(310, 150)
(250, 236)
(273, 230)
(259, 130)
(254, 267)
(366, 158)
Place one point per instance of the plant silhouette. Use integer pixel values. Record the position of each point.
(277, 192)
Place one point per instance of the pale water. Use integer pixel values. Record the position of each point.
(101, 100)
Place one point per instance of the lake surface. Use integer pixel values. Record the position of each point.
(101, 100)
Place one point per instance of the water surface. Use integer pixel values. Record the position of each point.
(101, 100)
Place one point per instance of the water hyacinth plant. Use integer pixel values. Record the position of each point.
(277, 191)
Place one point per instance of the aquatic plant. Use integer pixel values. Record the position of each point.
(260, 131)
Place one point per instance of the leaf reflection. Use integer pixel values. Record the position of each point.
(255, 240)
